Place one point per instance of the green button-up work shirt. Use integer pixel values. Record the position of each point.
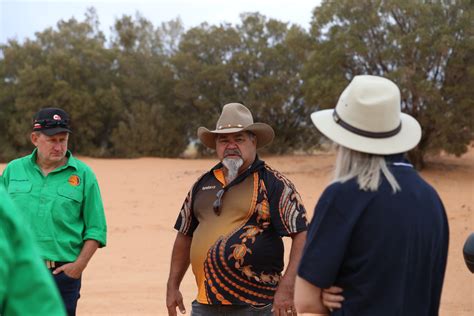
(26, 286)
(63, 209)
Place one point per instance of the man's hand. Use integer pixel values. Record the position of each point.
(283, 303)
(332, 297)
(174, 299)
(284, 300)
(72, 270)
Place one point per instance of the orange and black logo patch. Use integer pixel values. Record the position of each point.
(74, 180)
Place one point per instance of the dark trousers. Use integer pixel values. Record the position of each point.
(230, 310)
(69, 289)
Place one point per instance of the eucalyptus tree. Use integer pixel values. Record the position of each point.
(68, 67)
(148, 124)
(424, 46)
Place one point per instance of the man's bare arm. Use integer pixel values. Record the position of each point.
(284, 296)
(178, 267)
(308, 298)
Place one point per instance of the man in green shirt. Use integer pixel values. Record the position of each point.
(60, 200)
(21, 269)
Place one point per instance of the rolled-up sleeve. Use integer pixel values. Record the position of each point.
(94, 215)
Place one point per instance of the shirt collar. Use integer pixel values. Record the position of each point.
(255, 166)
(398, 160)
(71, 161)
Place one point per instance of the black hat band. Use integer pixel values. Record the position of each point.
(360, 132)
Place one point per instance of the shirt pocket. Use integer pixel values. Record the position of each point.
(70, 193)
(20, 192)
(19, 187)
(70, 201)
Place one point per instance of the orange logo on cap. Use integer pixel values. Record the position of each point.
(74, 180)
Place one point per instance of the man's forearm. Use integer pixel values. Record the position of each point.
(88, 249)
(179, 260)
(296, 252)
(308, 298)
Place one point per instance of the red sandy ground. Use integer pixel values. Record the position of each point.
(142, 198)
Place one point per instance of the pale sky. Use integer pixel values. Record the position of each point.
(20, 19)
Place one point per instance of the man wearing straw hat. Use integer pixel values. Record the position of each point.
(231, 225)
(380, 232)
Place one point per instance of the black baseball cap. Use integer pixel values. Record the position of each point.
(51, 121)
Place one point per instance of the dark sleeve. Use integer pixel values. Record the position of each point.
(93, 211)
(288, 214)
(439, 268)
(327, 240)
(186, 222)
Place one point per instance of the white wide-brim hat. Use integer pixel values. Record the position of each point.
(368, 118)
(236, 117)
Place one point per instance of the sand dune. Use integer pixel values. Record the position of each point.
(142, 198)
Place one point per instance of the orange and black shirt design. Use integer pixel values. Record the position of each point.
(237, 256)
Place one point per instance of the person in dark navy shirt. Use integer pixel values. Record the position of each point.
(378, 240)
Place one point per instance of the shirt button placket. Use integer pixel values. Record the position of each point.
(42, 204)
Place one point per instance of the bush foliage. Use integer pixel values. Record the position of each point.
(146, 89)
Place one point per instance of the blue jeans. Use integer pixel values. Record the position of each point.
(199, 309)
(69, 289)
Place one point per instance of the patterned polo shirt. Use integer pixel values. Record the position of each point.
(237, 256)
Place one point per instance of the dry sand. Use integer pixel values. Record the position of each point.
(142, 198)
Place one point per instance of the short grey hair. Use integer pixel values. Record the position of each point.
(367, 168)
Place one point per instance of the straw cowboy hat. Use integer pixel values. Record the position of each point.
(235, 117)
(367, 118)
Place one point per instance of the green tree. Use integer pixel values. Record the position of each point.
(257, 63)
(424, 47)
(20, 66)
(67, 67)
(204, 76)
(170, 34)
(145, 131)
(267, 76)
(145, 80)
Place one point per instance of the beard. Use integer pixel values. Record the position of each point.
(233, 165)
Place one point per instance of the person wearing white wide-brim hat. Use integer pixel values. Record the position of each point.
(378, 241)
(231, 225)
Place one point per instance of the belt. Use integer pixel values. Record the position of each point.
(54, 264)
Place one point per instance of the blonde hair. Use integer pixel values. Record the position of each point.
(367, 168)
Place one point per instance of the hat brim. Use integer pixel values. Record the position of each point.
(54, 131)
(262, 131)
(408, 137)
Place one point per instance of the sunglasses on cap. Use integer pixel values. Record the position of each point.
(48, 123)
